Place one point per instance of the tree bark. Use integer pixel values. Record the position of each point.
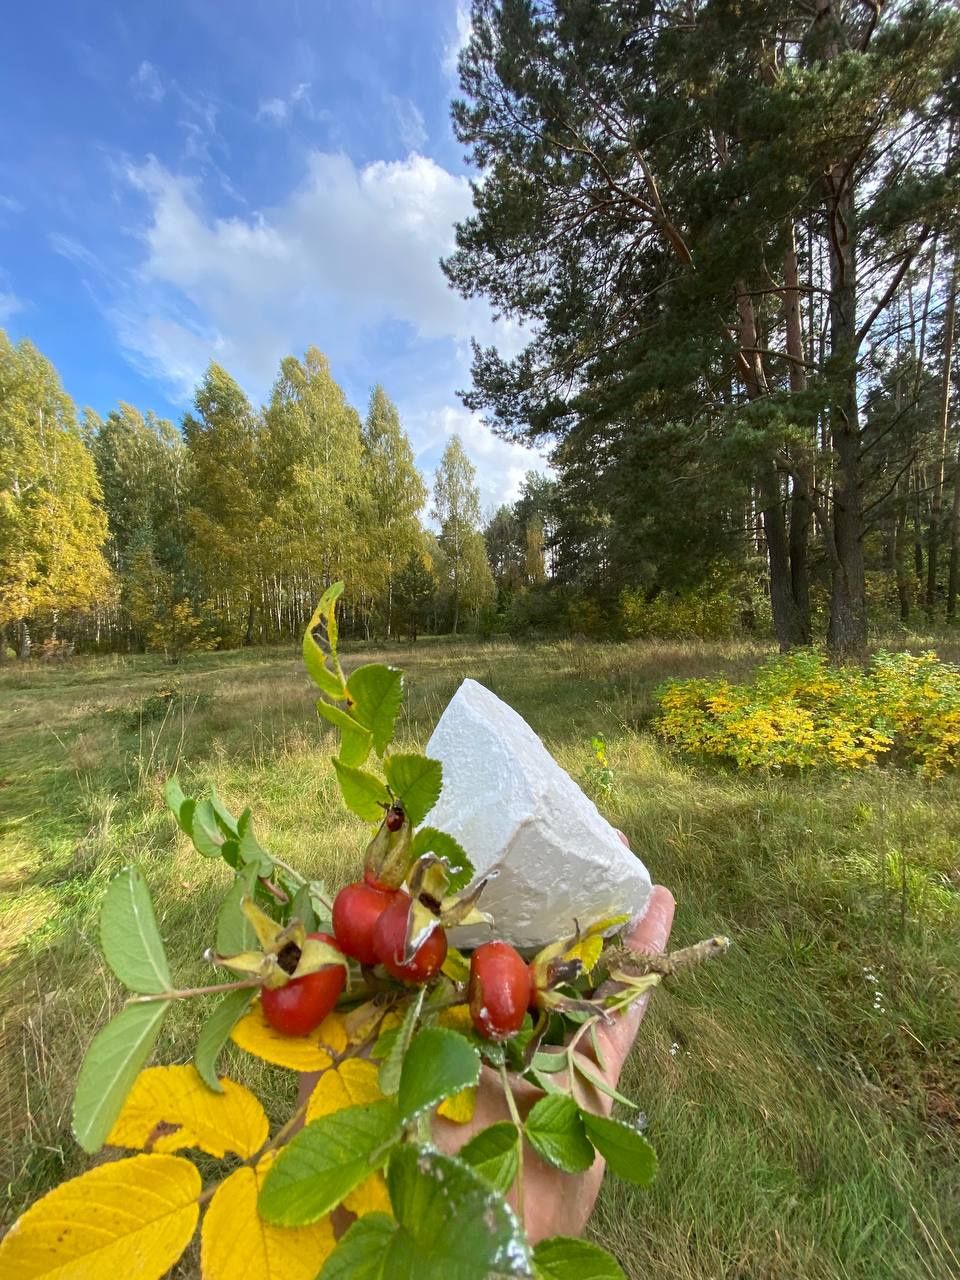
(940, 460)
(847, 629)
(23, 640)
(801, 507)
(953, 577)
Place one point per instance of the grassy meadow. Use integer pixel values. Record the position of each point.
(803, 1094)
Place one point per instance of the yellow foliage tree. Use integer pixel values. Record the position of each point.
(52, 525)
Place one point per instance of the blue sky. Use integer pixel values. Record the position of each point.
(189, 180)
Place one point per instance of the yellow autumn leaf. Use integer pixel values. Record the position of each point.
(130, 1218)
(235, 1241)
(370, 1197)
(587, 951)
(457, 1018)
(460, 1106)
(353, 1082)
(298, 1053)
(170, 1108)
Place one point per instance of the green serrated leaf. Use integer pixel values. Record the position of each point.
(430, 840)
(543, 1060)
(205, 831)
(376, 692)
(363, 794)
(173, 794)
(393, 1061)
(626, 1151)
(235, 933)
(416, 781)
(450, 1222)
(495, 1154)
(250, 849)
(598, 1082)
(228, 823)
(215, 1033)
(111, 1065)
(325, 619)
(302, 908)
(355, 740)
(326, 1160)
(563, 1258)
(129, 936)
(438, 1064)
(554, 1129)
(361, 1252)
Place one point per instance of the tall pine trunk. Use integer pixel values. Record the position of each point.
(847, 629)
(940, 460)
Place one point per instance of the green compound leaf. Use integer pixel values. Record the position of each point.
(205, 830)
(376, 692)
(215, 1033)
(626, 1151)
(416, 781)
(495, 1154)
(355, 740)
(555, 1130)
(396, 1042)
(252, 853)
(235, 933)
(326, 1160)
(438, 1064)
(324, 623)
(112, 1063)
(129, 936)
(302, 909)
(175, 799)
(363, 793)
(361, 1253)
(430, 840)
(563, 1258)
(450, 1222)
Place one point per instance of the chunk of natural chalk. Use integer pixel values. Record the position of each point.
(513, 808)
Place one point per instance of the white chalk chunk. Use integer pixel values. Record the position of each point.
(513, 808)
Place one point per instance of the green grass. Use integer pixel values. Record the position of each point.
(807, 1116)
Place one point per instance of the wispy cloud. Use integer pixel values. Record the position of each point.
(410, 122)
(10, 205)
(75, 252)
(10, 304)
(457, 41)
(146, 83)
(276, 110)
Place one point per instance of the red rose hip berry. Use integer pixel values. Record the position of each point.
(499, 990)
(298, 1007)
(356, 910)
(390, 936)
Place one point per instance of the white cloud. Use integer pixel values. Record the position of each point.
(350, 253)
(276, 110)
(10, 304)
(410, 122)
(146, 83)
(10, 205)
(74, 252)
(458, 40)
(501, 465)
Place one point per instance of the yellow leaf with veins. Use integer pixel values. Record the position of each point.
(130, 1218)
(170, 1108)
(354, 1081)
(235, 1241)
(298, 1053)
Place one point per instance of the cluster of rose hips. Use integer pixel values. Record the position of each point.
(371, 923)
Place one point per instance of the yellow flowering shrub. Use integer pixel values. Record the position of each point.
(801, 713)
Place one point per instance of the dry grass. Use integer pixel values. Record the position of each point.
(806, 1116)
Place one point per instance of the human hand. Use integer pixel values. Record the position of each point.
(557, 1203)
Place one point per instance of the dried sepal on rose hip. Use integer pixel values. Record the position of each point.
(555, 968)
(409, 955)
(302, 974)
(387, 860)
